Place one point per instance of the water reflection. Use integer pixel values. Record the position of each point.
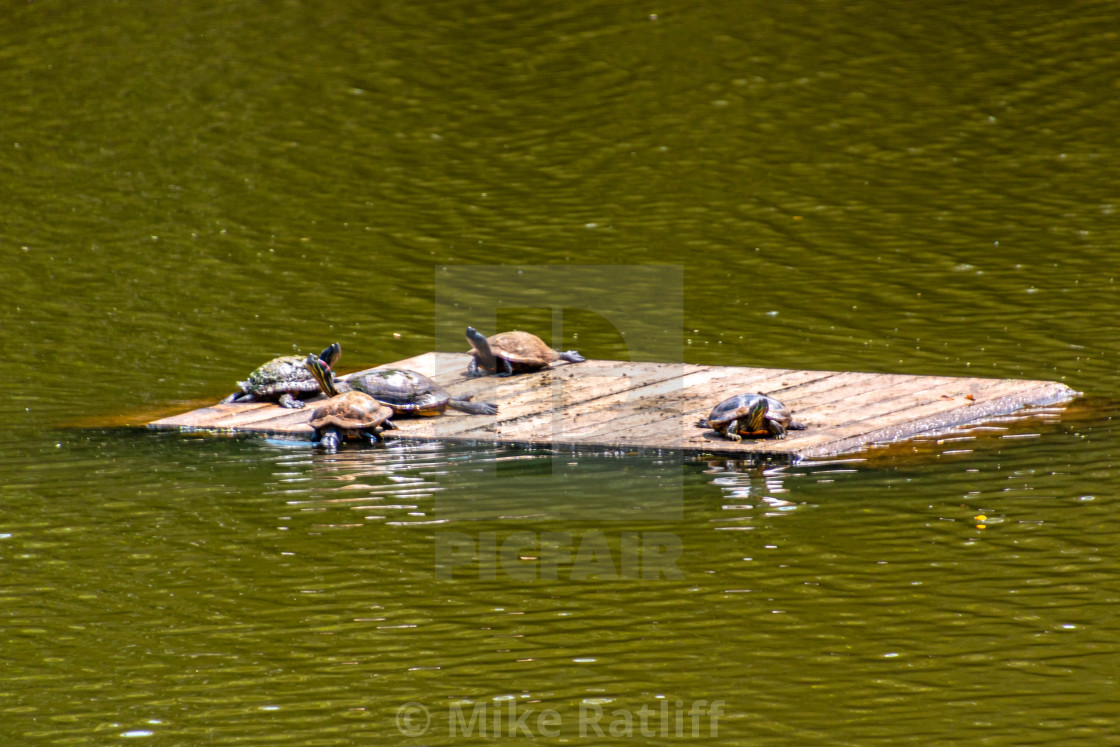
(319, 572)
(418, 483)
(753, 491)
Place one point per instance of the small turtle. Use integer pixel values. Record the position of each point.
(508, 353)
(750, 415)
(349, 414)
(283, 379)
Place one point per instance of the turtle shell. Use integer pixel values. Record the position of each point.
(740, 406)
(284, 374)
(350, 411)
(522, 349)
(407, 392)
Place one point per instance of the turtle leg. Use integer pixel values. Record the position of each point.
(464, 404)
(572, 356)
(369, 436)
(777, 430)
(504, 363)
(796, 426)
(330, 440)
(288, 401)
(230, 399)
(702, 423)
(732, 432)
(474, 370)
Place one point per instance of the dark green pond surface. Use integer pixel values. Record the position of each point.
(192, 188)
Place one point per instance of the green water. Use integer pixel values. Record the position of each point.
(192, 188)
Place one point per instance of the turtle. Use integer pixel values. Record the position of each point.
(407, 392)
(351, 413)
(507, 353)
(751, 415)
(284, 380)
(412, 393)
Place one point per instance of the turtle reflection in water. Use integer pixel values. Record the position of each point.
(284, 380)
(750, 416)
(349, 414)
(507, 353)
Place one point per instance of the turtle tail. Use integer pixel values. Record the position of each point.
(241, 395)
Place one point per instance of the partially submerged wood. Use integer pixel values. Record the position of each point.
(627, 405)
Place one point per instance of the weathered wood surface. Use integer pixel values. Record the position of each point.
(619, 404)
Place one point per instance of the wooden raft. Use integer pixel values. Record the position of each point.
(628, 405)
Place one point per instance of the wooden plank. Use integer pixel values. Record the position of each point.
(528, 398)
(667, 419)
(939, 414)
(622, 404)
(443, 367)
(636, 416)
(248, 418)
(861, 412)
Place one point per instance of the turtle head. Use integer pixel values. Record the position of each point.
(755, 419)
(322, 373)
(483, 354)
(331, 354)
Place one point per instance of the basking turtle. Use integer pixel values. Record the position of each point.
(750, 415)
(350, 414)
(412, 393)
(284, 379)
(508, 353)
(409, 392)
